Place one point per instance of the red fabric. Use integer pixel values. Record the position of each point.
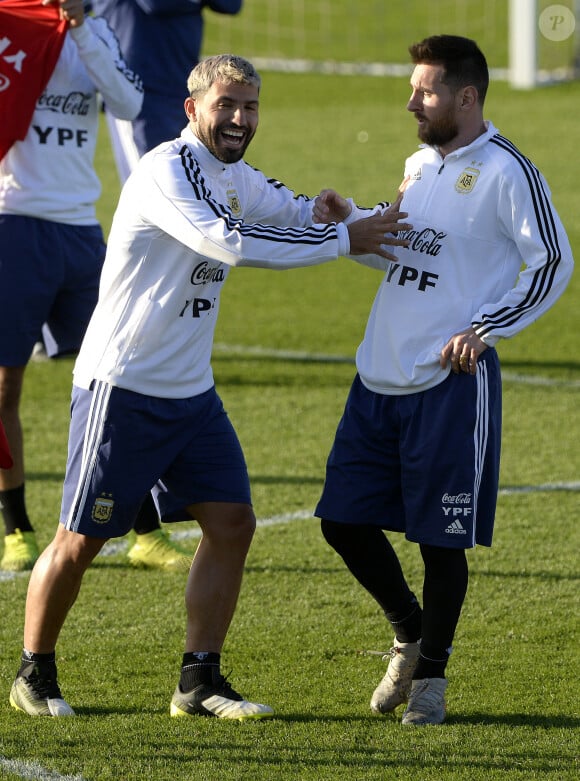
(31, 39)
(5, 456)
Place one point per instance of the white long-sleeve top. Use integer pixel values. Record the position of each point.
(183, 220)
(50, 173)
(487, 249)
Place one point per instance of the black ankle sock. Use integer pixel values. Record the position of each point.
(41, 663)
(407, 628)
(13, 509)
(431, 663)
(198, 667)
(147, 519)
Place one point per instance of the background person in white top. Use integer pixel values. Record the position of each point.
(51, 245)
(145, 411)
(417, 450)
(161, 41)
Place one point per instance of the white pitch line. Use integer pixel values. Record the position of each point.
(33, 771)
(220, 348)
(535, 379)
(574, 485)
(116, 546)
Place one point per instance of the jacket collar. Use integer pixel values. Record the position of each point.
(202, 153)
(477, 143)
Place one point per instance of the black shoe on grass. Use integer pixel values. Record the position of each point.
(217, 699)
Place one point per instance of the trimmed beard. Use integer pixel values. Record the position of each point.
(224, 155)
(439, 132)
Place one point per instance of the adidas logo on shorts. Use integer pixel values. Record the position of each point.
(455, 528)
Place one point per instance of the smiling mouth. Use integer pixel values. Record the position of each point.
(233, 137)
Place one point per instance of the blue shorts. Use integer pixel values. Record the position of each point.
(425, 464)
(123, 445)
(49, 276)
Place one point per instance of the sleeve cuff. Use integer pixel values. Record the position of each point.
(343, 239)
(80, 34)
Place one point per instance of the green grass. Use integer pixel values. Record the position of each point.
(302, 621)
(370, 30)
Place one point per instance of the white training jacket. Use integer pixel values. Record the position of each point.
(184, 218)
(50, 173)
(487, 249)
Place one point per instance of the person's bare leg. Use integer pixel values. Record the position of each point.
(215, 577)
(211, 596)
(54, 585)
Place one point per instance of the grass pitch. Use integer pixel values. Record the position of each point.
(301, 636)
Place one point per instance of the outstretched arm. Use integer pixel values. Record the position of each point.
(368, 235)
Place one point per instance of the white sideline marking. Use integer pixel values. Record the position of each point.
(541, 488)
(33, 771)
(220, 348)
(118, 546)
(301, 65)
(534, 379)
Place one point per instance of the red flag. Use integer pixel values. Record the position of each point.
(31, 39)
(5, 456)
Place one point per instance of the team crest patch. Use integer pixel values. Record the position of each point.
(467, 179)
(103, 509)
(234, 202)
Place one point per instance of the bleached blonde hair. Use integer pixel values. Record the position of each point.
(224, 68)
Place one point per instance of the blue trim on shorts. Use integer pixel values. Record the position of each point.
(124, 444)
(425, 464)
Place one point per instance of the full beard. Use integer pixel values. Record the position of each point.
(438, 132)
(222, 152)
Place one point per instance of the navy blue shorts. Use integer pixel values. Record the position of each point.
(425, 464)
(123, 445)
(49, 284)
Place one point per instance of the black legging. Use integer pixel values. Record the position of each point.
(370, 557)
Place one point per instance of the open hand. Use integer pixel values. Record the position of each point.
(369, 235)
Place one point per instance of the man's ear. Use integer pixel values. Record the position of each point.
(468, 97)
(189, 106)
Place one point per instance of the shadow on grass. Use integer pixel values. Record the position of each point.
(415, 749)
(525, 575)
(561, 721)
(534, 366)
(48, 477)
(287, 480)
(475, 718)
